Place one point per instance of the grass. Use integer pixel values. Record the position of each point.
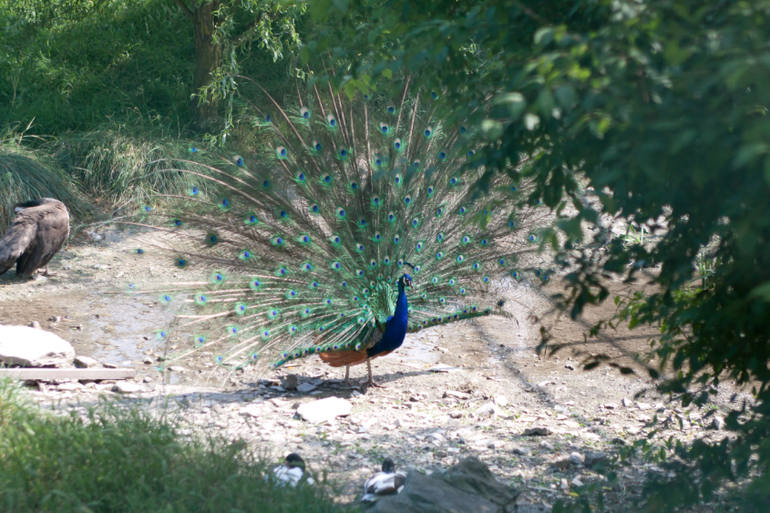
(27, 174)
(119, 460)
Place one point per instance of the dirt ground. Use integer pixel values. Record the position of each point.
(474, 388)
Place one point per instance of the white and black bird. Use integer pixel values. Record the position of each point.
(385, 482)
(37, 232)
(292, 471)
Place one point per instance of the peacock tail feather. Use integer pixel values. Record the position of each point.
(295, 248)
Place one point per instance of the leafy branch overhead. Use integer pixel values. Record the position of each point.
(650, 111)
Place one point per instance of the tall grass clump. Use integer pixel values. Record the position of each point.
(27, 174)
(121, 166)
(118, 460)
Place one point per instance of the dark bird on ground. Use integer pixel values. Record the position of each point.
(292, 471)
(37, 232)
(385, 482)
(307, 246)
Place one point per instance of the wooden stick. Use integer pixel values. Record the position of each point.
(43, 374)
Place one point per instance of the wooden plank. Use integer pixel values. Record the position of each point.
(43, 374)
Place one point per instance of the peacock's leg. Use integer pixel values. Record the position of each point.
(347, 373)
(369, 370)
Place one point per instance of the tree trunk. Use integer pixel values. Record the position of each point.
(208, 57)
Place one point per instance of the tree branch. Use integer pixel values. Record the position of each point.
(185, 8)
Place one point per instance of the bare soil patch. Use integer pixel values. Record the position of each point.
(471, 388)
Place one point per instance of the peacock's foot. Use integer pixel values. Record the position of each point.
(372, 383)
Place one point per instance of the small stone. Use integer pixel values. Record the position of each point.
(325, 410)
(564, 484)
(577, 482)
(305, 388)
(290, 382)
(455, 415)
(486, 410)
(85, 362)
(594, 458)
(147, 379)
(109, 365)
(127, 387)
(626, 402)
(537, 431)
(576, 458)
(717, 423)
(176, 368)
(569, 366)
(148, 361)
(501, 401)
(608, 406)
(643, 406)
(521, 451)
(35, 324)
(68, 387)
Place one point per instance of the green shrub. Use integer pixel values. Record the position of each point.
(122, 460)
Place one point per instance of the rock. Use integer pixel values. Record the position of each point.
(468, 486)
(290, 382)
(537, 431)
(30, 347)
(127, 387)
(521, 451)
(501, 401)
(305, 388)
(109, 365)
(85, 362)
(717, 423)
(626, 402)
(576, 458)
(176, 368)
(325, 410)
(69, 387)
(486, 410)
(35, 324)
(595, 458)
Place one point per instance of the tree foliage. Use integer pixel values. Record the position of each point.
(226, 30)
(661, 107)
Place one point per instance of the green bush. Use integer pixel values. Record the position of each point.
(122, 460)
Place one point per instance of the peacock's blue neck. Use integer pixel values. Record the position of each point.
(395, 328)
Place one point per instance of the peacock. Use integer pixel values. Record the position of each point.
(355, 220)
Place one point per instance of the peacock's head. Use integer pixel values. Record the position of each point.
(405, 280)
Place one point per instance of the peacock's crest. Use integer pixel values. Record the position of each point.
(295, 248)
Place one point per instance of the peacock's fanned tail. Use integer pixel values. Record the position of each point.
(295, 248)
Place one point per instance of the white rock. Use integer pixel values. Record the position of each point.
(30, 347)
(127, 387)
(85, 362)
(486, 410)
(501, 401)
(324, 410)
(576, 458)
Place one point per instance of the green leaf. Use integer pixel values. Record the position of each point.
(544, 36)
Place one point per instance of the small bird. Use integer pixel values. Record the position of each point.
(385, 482)
(306, 245)
(37, 232)
(292, 471)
